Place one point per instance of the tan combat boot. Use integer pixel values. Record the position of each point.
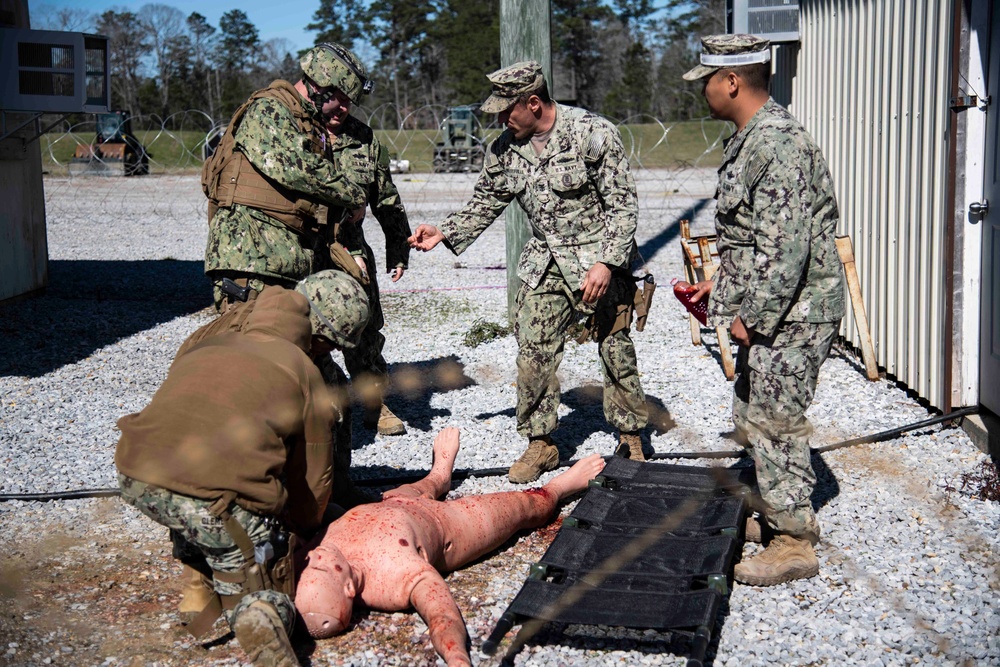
(541, 456)
(755, 530)
(383, 420)
(786, 558)
(630, 446)
(198, 590)
(262, 636)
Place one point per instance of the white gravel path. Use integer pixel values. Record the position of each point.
(909, 570)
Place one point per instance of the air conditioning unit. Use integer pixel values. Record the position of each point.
(54, 72)
(776, 20)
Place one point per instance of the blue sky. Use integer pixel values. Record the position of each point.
(273, 18)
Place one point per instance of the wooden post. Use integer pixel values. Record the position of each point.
(846, 251)
(690, 275)
(725, 345)
(524, 35)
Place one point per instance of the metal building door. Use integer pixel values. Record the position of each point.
(989, 364)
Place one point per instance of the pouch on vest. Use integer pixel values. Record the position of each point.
(345, 260)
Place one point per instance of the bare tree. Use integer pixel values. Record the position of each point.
(67, 19)
(274, 62)
(164, 26)
(203, 40)
(128, 45)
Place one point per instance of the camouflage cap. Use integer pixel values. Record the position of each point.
(718, 51)
(338, 306)
(511, 82)
(333, 65)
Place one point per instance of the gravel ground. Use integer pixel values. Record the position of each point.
(909, 571)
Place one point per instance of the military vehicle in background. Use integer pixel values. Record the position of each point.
(115, 151)
(398, 165)
(461, 145)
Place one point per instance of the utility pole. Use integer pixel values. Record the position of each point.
(525, 34)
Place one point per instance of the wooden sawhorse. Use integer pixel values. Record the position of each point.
(700, 254)
(699, 264)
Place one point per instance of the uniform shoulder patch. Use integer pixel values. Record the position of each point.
(492, 158)
(756, 166)
(597, 146)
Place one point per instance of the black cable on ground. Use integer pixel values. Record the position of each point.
(892, 433)
(497, 472)
(62, 495)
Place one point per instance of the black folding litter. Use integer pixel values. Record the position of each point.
(649, 546)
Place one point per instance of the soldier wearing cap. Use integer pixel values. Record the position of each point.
(235, 454)
(779, 288)
(357, 152)
(568, 169)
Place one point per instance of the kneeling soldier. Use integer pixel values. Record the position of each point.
(235, 455)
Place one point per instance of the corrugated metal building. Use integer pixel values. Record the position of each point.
(897, 92)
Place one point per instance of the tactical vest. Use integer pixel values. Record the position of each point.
(228, 177)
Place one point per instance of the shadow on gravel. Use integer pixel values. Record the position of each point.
(91, 304)
(586, 416)
(411, 388)
(670, 233)
(827, 487)
(710, 344)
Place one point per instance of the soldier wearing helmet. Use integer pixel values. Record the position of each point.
(357, 153)
(271, 181)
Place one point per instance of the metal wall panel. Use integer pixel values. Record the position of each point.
(871, 84)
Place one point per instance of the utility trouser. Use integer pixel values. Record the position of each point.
(541, 317)
(775, 386)
(201, 540)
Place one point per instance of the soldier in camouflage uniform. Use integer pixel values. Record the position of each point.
(272, 174)
(243, 389)
(568, 169)
(779, 288)
(356, 151)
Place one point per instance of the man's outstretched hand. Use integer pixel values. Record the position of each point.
(425, 237)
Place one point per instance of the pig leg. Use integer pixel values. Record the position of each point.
(476, 525)
(438, 481)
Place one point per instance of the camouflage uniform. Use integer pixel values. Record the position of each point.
(244, 242)
(581, 205)
(776, 220)
(200, 538)
(356, 151)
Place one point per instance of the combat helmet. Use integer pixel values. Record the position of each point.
(338, 306)
(330, 64)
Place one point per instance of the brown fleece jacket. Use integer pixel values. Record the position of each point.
(247, 412)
